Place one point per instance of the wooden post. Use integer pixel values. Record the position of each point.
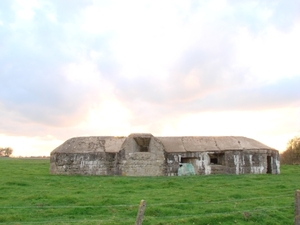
(297, 207)
(140, 215)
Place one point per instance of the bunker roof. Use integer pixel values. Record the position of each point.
(91, 145)
(209, 143)
(171, 144)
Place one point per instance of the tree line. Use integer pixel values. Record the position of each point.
(290, 156)
(292, 153)
(6, 152)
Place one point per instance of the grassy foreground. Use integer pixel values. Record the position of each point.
(30, 195)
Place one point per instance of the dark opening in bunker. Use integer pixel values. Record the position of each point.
(143, 143)
(188, 160)
(143, 148)
(216, 158)
(269, 164)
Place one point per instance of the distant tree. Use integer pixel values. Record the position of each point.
(6, 151)
(292, 153)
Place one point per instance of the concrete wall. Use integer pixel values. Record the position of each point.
(200, 161)
(139, 162)
(87, 156)
(253, 161)
(228, 162)
(101, 163)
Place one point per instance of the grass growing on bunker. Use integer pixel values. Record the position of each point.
(30, 195)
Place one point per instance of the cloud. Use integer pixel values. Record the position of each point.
(82, 67)
(35, 58)
(283, 93)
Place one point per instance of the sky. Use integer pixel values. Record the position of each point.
(171, 68)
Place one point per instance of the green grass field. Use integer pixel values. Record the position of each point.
(30, 195)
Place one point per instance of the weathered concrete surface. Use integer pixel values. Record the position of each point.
(229, 162)
(91, 145)
(100, 163)
(196, 144)
(87, 156)
(146, 155)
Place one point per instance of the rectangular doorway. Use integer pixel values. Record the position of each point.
(269, 164)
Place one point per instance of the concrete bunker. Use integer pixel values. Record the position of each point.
(142, 154)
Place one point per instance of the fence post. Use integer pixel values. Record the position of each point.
(140, 215)
(297, 207)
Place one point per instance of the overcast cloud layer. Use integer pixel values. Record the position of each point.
(71, 68)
